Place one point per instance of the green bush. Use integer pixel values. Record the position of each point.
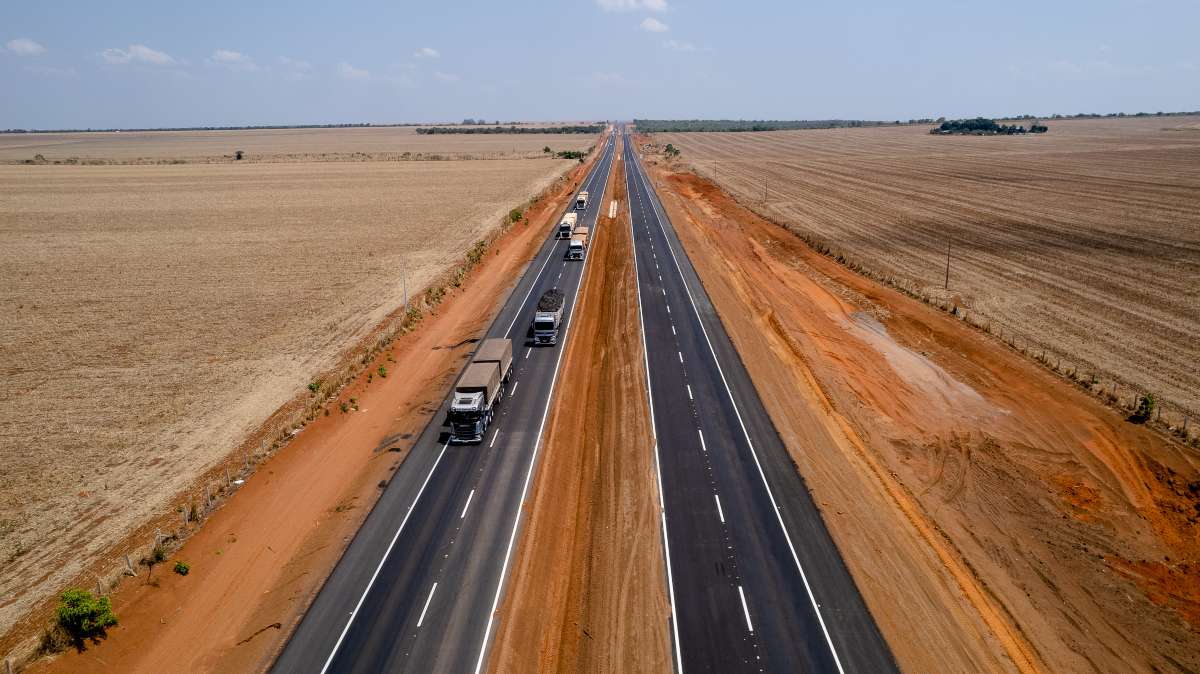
(515, 215)
(382, 372)
(315, 385)
(182, 568)
(84, 616)
(1145, 409)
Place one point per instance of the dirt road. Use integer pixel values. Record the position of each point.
(587, 592)
(994, 517)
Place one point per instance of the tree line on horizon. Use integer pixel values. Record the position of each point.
(469, 130)
(985, 126)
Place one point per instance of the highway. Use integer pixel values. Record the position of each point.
(754, 580)
(418, 587)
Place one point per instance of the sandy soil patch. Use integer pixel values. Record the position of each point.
(1084, 241)
(587, 592)
(994, 517)
(154, 316)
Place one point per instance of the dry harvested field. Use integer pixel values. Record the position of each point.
(277, 144)
(154, 315)
(1084, 241)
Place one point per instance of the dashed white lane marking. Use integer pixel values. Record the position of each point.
(664, 292)
(720, 513)
(494, 438)
(672, 328)
(514, 391)
(745, 609)
(527, 351)
(471, 495)
(383, 560)
(660, 278)
(680, 353)
(689, 388)
(430, 599)
(703, 447)
(668, 308)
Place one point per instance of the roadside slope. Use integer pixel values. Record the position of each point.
(995, 518)
(587, 592)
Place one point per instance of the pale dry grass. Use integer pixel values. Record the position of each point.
(1084, 241)
(277, 143)
(153, 315)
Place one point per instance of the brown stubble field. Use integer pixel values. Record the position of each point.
(155, 315)
(1084, 242)
(278, 145)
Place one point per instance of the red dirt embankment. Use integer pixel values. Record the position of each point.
(994, 517)
(588, 589)
(259, 561)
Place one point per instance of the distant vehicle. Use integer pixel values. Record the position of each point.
(479, 390)
(581, 201)
(548, 317)
(567, 226)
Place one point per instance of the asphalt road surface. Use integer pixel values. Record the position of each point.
(418, 587)
(754, 579)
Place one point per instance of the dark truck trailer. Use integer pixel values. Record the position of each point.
(548, 317)
(479, 390)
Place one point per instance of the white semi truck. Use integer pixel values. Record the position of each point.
(548, 317)
(577, 246)
(566, 226)
(480, 390)
(581, 201)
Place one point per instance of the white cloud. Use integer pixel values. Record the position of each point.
(447, 77)
(23, 46)
(427, 53)
(653, 25)
(49, 71)
(684, 46)
(633, 5)
(295, 69)
(139, 53)
(349, 72)
(233, 60)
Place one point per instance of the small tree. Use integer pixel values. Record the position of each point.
(547, 150)
(84, 616)
(238, 155)
(515, 215)
(1144, 410)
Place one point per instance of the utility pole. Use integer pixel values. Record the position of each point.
(947, 286)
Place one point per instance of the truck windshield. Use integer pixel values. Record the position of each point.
(543, 326)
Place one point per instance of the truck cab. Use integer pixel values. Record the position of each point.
(581, 201)
(577, 247)
(566, 226)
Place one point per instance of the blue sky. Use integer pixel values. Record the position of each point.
(138, 64)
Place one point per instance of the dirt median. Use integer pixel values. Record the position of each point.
(587, 592)
(257, 562)
(994, 517)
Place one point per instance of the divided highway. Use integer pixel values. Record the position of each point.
(418, 587)
(754, 579)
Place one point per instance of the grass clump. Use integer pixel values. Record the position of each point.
(382, 372)
(182, 568)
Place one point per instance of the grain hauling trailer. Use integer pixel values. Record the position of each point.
(566, 226)
(548, 317)
(479, 390)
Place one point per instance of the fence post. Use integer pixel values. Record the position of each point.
(129, 566)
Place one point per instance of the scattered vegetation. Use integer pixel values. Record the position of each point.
(315, 386)
(982, 126)
(84, 616)
(382, 372)
(571, 154)
(578, 128)
(514, 215)
(706, 125)
(182, 568)
(671, 151)
(1144, 410)
(344, 407)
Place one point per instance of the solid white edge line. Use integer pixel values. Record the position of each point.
(720, 512)
(533, 460)
(753, 452)
(657, 463)
(382, 560)
(430, 599)
(469, 497)
(745, 609)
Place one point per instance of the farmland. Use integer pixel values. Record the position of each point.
(155, 315)
(1083, 242)
(278, 145)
